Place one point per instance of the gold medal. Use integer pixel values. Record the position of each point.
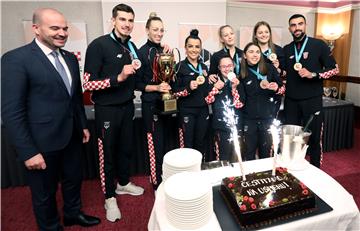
(272, 57)
(264, 84)
(136, 63)
(200, 79)
(297, 66)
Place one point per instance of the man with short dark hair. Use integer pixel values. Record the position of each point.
(44, 116)
(110, 68)
(308, 62)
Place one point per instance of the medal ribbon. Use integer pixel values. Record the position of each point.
(298, 56)
(237, 63)
(132, 50)
(257, 73)
(268, 52)
(200, 71)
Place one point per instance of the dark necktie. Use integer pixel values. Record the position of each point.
(60, 68)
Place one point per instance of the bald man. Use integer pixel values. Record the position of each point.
(44, 117)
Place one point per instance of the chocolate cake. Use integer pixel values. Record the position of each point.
(264, 198)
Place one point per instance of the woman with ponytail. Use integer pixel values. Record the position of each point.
(154, 122)
(191, 86)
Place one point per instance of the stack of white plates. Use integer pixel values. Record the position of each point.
(181, 160)
(188, 200)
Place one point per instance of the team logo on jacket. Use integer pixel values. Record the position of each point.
(155, 118)
(119, 56)
(305, 55)
(106, 124)
(246, 128)
(291, 57)
(186, 119)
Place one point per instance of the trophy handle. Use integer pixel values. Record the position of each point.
(149, 57)
(178, 52)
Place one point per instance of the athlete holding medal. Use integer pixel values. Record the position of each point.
(191, 86)
(261, 83)
(272, 53)
(110, 73)
(226, 89)
(308, 62)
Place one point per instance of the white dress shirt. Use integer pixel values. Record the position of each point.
(47, 51)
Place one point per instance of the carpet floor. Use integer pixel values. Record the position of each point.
(17, 215)
(16, 208)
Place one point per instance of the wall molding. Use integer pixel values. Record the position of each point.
(293, 8)
(298, 9)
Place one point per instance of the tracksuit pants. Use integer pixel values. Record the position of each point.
(298, 112)
(114, 128)
(257, 137)
(155, 126)
(194, 123)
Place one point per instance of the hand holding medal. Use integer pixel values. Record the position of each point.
(264, 84)
(272, 57)
(232, 78)
(136, 63)
(297, 66)
(200, 79)
(231, 75)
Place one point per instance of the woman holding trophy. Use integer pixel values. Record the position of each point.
(262, 83)
(226, 94)
(191, 86)
(152, 90)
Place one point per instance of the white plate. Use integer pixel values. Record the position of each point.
(182, 157)
(202, 199)
(191, 166)
(187, 186)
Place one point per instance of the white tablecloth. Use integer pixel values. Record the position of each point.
(345, 214)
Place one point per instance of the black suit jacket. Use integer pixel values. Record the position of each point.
(37, 111)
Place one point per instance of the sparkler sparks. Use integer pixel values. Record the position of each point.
(275, 133)
(231, 120)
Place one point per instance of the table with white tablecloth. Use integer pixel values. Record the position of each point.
(344, 216)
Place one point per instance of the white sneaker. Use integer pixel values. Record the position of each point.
(130, 188)
(112, 209)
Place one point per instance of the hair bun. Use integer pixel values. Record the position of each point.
(152, 15)
(194, 32)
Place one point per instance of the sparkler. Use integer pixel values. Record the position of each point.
(230, 119)
(275, 133)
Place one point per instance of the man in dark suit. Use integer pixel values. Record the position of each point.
(44, 116)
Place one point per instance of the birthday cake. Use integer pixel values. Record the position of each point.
(262, 198)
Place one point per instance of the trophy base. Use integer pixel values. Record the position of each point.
(166, 107)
